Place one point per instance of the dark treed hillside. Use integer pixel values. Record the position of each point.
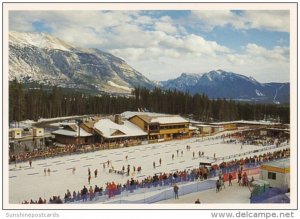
(200, 107)
(38, 103)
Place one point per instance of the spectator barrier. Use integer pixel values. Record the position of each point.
(162, 190)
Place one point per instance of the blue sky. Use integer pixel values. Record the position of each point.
(163, 44)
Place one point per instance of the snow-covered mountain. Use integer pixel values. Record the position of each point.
(222, 84)
(42, 58)
(183, 82)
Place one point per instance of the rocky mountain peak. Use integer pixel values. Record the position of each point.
(229, 85)
(42, 58)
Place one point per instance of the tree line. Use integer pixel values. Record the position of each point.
(37, 102)
(200, 107)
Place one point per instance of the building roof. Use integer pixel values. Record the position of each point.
(146, 118)
(37, 128)
(73, 133)
(262, 122)
(169, 120)
(129, 114)
(110, 129)
(204, 125)
(73, 127)
(15, 129)
(279, 129)
(281, 163)
(166, 119)
(196, 122)
(89, 124)
(193, 128)
(277, 166)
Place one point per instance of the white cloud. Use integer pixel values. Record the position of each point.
(278, 20)
(277, 54)
(165, 27)
(128, 53)
(168, 46)
(237, 59)
(269, 20)
(143, 20)
(160, 47)
(211, 19)
(263, 64)
(254, 54)
(18, 21)
(197, 44)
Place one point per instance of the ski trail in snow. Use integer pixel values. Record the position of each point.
(281, 86)
(24, 187)
(274, 98)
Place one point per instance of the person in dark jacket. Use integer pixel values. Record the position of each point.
(176, 188)
(197, 201)
(84, 193)
(218, 185)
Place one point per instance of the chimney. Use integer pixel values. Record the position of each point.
(118, 119)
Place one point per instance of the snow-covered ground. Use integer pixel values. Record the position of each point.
(60, 118)
(29, 123)
(30, 183)
(231, 194)
(22, 124)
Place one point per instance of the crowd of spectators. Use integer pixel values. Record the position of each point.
(38, 154)
(243, 137)
(65, 150)
(252, 138)
(252, 160)
(167, 179)
(40, 201)
(163, 179)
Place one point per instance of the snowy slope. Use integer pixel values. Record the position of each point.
(40, 40)
(222, 84)
(183, 82)
(42, 58)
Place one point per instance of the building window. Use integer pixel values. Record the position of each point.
(271, 175)
(153, 127)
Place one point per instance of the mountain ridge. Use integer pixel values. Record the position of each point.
(45, 59)
(48, 60)
(221, 84)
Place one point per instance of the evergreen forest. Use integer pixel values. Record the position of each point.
(37, 102)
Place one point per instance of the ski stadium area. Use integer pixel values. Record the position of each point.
(170, 162)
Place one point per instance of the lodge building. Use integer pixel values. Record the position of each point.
(73, 134)
(161, 128)
(133, 128)
(138, 128)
